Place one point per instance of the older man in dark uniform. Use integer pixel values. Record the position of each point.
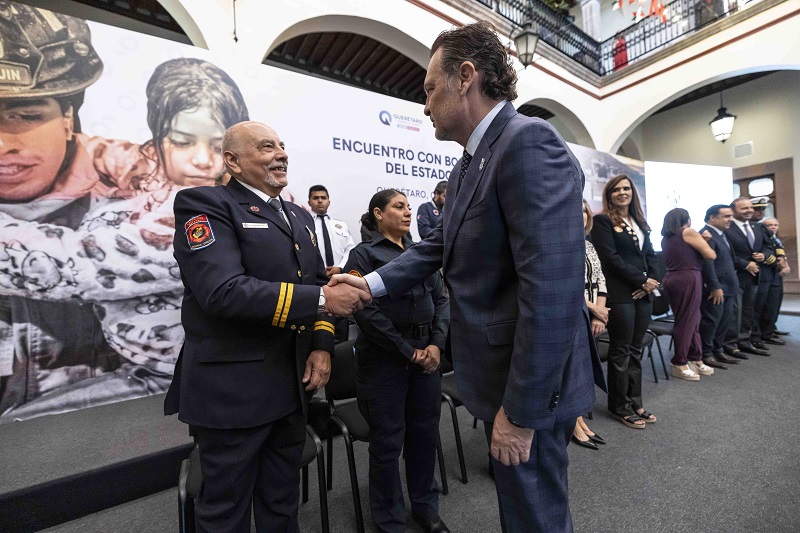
(258, 334)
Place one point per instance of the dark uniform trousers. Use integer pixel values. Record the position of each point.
(769, 292)
(402, 405)
(276, 449)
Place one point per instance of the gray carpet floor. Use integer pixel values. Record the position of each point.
(723, 457)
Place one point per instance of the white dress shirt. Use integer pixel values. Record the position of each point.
(266, 197)
(341, 240)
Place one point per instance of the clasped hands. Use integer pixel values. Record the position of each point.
(427, 358)
(346, 294)
(647, 287)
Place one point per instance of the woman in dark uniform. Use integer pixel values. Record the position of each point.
(398, 380)
(621, 236)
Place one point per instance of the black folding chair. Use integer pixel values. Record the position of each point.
(190, 479)
(346, 416)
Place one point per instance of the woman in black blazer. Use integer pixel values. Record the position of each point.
(621, 236)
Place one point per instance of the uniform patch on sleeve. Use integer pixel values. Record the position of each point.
(198, 232)
(355, 273)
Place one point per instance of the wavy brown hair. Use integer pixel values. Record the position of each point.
(634, 208)
(478, 44)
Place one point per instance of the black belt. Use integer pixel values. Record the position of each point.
(417, 332)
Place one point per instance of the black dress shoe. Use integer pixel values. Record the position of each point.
(430, 525)
(759, 345)
(779, 332)
(585, 443)
(774, 340)
(738, 354)
(596, 438)
(722, 358)
(712, 362)
(753, 350)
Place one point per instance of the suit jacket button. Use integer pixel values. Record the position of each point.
(299, 274)
(297, 247)
(293, 327)
(302, 328)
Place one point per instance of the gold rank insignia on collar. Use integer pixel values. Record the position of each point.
(312, 235)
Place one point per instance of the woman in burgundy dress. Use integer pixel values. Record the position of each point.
(684, 252)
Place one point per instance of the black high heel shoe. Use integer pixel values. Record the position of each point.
(586, 444)
(596, 438)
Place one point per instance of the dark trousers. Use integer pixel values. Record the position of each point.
(768, 298)
(685, 290)
(402, 405)
(747, 312)
(765, 278)
(775, 304)
(715, 324)
(253, 468)
(533, 497)
(627, 324)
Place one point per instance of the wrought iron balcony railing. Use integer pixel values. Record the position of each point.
(630, 45)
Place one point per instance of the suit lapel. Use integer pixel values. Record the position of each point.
(254, 205)
(480, 159)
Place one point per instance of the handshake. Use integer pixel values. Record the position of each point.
(345, 294)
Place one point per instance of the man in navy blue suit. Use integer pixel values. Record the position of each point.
(721, 291)
(511, 248)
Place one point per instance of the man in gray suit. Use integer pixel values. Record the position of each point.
(511, 247)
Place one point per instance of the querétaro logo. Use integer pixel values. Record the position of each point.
(385, 117)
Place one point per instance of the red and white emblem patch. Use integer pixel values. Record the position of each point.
(198, 232)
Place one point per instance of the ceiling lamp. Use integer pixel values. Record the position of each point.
(722, 125)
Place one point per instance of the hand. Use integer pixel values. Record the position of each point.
(598, 326)
(510, 445)
(758, 257)
(706, 235)
(330, 271)
(318, 369)
(599, 313)
(344, 299)
(752, 268)
(640, 293)
(355, 281)
(716, 296)
(428, 359)
(650, 285)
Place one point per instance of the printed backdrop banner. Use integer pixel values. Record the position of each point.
(100, 127)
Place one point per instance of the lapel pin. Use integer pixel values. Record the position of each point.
(480, 167)
(254, 208)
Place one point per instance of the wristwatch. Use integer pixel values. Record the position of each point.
(321, 305)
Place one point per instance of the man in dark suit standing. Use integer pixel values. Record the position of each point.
(430, 213)
(747, 243)
(721, 285)
(511, 248)
(258, 337)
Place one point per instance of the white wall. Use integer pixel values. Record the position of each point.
(768, 114)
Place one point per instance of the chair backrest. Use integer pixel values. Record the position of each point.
(445, 365)
(602, 348)
(661, 304)
(342, 383)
